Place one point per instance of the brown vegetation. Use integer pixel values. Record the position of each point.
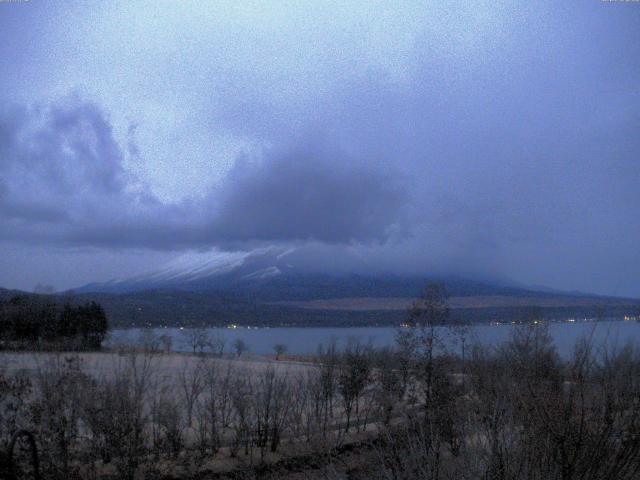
(470, 301)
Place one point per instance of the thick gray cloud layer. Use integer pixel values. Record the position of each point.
(309, 193)
(63, 183)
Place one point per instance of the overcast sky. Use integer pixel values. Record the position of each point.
(485, 138)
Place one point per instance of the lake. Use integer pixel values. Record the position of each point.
(305, 340)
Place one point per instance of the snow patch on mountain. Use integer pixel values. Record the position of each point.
(264, 273)
(201, 267)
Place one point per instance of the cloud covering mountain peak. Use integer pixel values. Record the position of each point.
(64, 182)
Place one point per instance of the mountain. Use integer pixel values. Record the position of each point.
(267, 287)
(268, 275)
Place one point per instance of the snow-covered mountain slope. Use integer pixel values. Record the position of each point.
(271, 275)
(199, 271)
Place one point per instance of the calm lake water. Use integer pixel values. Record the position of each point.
(301, 340)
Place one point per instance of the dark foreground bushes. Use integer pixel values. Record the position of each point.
(521, 413)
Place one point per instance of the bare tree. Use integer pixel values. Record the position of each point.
(217, 344)
(191, 380)
(166, 342)
(300, 405)
(280, 349)
(197, 339)
(61, 383)
(15, 393)
(115, 412)
(426, 316)
(148, 340)
(271, 400)
(353, 377)
(241, 394)
(328, 360)
(168, 416)
(240, 347)
(215, 408)
(389, 391)
(461, 332)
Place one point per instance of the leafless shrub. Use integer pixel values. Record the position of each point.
(389, 378)
(61, 383)
(280, 349)
(241, 393)
(215, 407)
(353, 377)
(149, 341)
(15, 391)
(240, 347)
(300, 406)
(271, 399)
(191, 381)
(327, 387)
(197, 338)
(166, 342)
(168, 416)
(115, 412)
(217, 344)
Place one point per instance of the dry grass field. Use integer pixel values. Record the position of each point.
(474, 301)
(196, 414)
(170, 366)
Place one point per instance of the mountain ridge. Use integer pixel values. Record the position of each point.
(266, 287)
(269, 275)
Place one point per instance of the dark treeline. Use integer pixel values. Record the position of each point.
(28, 322)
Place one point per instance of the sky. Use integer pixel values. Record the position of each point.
(485, 138)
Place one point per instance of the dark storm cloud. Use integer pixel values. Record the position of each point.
(308, 193)
(63, 181)
(60, 167)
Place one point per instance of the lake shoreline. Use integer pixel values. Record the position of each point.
(306, 340)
